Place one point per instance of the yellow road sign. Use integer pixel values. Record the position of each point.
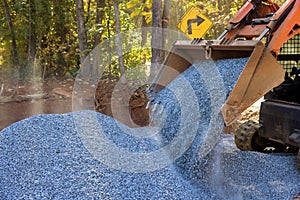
(194, 24)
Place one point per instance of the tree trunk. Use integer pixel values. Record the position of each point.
(166, 14)
(165, 24)
(13, 38)
(119, 41)
(144, 24)
(88, 11)
(156, 40)
(61, 31)
(109, 42)
(82, 37)
(99, 17)
(32, 33)
(220, 5)
(59, 17)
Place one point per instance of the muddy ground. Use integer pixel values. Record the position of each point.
(20, 100)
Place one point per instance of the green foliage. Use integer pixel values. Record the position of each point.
(57, 51)
(220, 13)
(139, 8)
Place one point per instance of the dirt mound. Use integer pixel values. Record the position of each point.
(133, 100)
(112, 97)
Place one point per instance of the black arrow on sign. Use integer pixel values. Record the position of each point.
(197, 20)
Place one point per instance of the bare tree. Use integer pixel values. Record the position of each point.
(82, 37)
(13, 38)
(61, 31)
(32, 32)
(144, 24)
(156, 39)
(88, 11)
(165, 24)
(166, 14)
(119, 41)
(99, 17)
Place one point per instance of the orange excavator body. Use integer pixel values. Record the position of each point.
(247, 22)
(288, 19)
(277, 29)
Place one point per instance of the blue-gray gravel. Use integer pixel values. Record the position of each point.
(48, 156)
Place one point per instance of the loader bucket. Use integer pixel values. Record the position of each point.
(261, 73)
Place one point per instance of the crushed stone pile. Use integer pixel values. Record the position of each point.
(87, 155)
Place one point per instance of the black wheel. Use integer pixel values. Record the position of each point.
(297, 197)
(247, 138)
(298, 159)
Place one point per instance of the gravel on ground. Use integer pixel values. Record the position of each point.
(87, 155)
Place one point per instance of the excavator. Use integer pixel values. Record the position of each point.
(269, 35)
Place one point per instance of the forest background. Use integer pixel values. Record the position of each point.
(42, 39)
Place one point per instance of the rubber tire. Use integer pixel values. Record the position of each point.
(246, 135)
